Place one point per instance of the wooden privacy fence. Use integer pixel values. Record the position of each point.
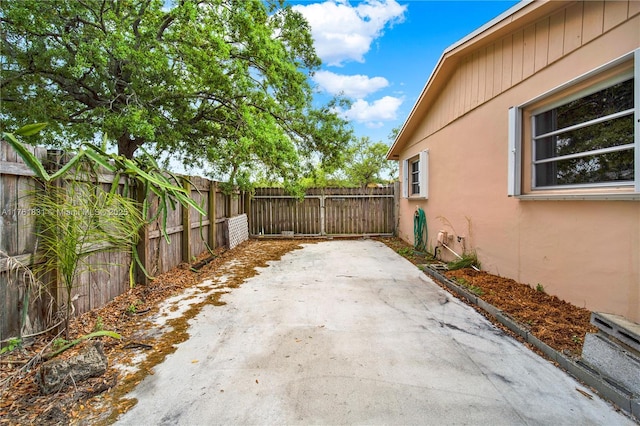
(324, 211)
(188, 234)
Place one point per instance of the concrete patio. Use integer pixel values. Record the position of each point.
(348, 332)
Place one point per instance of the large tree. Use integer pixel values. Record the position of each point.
(223, 82)
(364, 163)
(367, 163)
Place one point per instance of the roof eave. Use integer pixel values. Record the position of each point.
(518, 15)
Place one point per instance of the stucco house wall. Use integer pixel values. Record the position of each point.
(585, 251)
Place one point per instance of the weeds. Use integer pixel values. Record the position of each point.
(472, 288)
(405, 251)
(476, 290)
(133, 307)
(99, 325)
(468, 260)
(58, 343)
(12, 344)
(540, 288)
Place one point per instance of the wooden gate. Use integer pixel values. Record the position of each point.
(324, 211)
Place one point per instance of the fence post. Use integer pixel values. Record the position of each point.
(247, 208)
(186, 224)
(143, 241)
(55, 157)
(213, 189)
(323, 227)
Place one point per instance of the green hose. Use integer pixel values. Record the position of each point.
(420, 232)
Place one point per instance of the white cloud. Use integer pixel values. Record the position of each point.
(342, 32)
(383, 109)
(353, 86)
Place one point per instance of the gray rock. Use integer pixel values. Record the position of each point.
(54, 375)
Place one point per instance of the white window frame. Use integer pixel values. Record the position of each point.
(586, 191)
(422, 159)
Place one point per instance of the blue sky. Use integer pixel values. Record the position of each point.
(380, 53)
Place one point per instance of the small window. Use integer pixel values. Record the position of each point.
(415, 171)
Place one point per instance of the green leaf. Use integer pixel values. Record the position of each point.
(190, 202)
(30, 160)
(116, 184)
(76, 158)
(30, 129)
(100, 159)
(101, 333)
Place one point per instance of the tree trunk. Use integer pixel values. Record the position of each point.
(127, 146)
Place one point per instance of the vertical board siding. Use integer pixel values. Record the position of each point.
(106, 274)
(593, 20)
(556, 36)
(529, 51)
(493, 68)
(573, 28)
(541, 43)
(517, 58)
(346, 211)
(497, 70)
(507, 62)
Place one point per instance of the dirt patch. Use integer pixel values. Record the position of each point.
(557, 323)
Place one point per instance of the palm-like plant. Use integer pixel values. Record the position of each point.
(77, 220)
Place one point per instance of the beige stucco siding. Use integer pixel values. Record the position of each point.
(586, 252)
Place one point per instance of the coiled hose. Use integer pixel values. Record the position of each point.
(420, 232)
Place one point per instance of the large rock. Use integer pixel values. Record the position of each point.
(54, 375)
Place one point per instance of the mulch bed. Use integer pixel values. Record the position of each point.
(557, 323)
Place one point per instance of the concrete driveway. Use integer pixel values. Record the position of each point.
(349, 332)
